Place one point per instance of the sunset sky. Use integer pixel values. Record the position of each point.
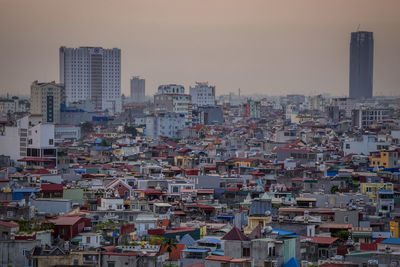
(269, 47)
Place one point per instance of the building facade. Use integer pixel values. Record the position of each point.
(46, 99)
(364, 117)
(138, 87)
(172, 98)
(202, 94)
(361, 64)
(164, 124)
(92, 73)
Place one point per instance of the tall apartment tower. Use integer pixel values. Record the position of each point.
(92, 73)
(361, 64)
(138, 87)
(46, 100)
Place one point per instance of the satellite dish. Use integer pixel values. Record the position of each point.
(267, 229)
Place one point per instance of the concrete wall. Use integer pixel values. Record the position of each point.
(53, 206)
(12, 252)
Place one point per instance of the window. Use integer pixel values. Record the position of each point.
(51, 141)
(111, 264)
(88, 239)
(246, 252)
(346, 219)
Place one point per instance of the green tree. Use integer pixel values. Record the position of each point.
(104, 142)
(169, 243)
(130, 130)
(334, 189)
(87, 128)
(342, 235)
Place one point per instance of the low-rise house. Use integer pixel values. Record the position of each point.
(67, 227)
(319, 248)
(8, 229)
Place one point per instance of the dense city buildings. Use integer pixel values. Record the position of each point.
(361, 64)
(138, 87)
(195, 180)
(92, 73)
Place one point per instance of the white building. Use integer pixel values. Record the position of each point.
(92, 73)
(7, 105)
(364, 145)
(344, 103)
(14, 139)
(164, 124)
(111, 204)
(172, 98)
(171, 89)
(67, 131)
(202, 94)
(46, 99)
(138, 90)
(90, 240)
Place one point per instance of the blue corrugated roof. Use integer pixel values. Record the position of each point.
(195, 250)
(187, 240)
(26, 190)
(282, 232)
(392, 240)
(292, 263)
(209, 240)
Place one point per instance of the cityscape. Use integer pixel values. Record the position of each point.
(105, 166)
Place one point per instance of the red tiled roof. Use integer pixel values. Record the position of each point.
(235, 234)
(8, 224)
(65, 220)
(303, 150)
(218, 258)
(51, 188)
(35, 159)
(336, 225)
(322, 239)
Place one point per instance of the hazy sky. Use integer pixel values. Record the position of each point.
(271, 47)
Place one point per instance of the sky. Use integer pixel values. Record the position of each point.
(272, 47)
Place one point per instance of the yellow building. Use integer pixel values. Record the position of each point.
(383, 159)
(244, 162)
(372, 189)
(253, 221)
(394, 228)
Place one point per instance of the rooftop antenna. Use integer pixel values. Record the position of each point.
(358, 27)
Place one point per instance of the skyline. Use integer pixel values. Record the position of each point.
(262, 47)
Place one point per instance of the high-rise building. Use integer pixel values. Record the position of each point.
(92, 73)
(361, 64)
(202, 94)
(138, 87)
(46, 100)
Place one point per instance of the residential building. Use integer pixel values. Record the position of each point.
(384, 159)
(172, 98)
(364, 117)
(202, 94)
(252, 109)
(164, 124)
(92, 73)
(138, 89)
(46, 99)
(364, 145)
